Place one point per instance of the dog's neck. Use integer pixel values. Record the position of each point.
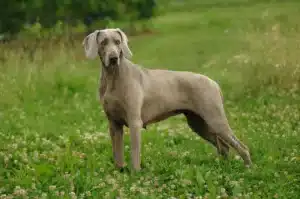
(110, 75)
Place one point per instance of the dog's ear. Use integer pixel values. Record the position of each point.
(127, 52)
(90, 44)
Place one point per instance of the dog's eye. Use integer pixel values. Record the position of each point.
(104, 42)
(117, 42)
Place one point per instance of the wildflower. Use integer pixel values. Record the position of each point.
(7, 197)
(66, 176)
(223, 190)
(144, 192)
(88, 193)
(111, 181)
(73, 195)
(106, 195)
(44, 195)
(3, 196)
(102, 184)
(18, 191)
(133, 188)
(52, 187)
(147, 183)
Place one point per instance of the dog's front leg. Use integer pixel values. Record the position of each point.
(116, 134)
(135, 126)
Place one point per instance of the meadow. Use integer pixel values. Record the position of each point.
(54, 140)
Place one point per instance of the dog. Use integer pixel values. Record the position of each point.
(135, 97)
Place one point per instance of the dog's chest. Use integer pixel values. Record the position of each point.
(113, 108)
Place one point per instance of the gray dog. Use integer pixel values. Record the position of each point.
(135, 97)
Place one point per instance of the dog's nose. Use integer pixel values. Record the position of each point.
(113, 60)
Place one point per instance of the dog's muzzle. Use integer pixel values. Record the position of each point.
(113, 60)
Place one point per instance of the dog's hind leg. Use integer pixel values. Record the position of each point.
(199, 126)
(217, 121)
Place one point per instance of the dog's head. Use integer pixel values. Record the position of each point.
(110, 44)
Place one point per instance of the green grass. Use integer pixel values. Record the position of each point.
(54, 141)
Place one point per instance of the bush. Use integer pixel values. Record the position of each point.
(11, 16)
(71, 12)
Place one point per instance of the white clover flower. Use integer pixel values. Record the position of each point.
(44, 195)
(88, 193)
(73, 195)
(19, 191)
(52, 187)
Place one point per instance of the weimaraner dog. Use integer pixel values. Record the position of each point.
(134, 96)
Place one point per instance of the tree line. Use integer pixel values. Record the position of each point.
(16, 13)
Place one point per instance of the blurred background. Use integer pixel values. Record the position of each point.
(77, 15)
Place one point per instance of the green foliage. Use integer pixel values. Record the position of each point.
(70, 12)
(11, 16)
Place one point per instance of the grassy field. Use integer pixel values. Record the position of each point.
(54, 141)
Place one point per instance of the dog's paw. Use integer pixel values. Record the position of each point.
(124, 170)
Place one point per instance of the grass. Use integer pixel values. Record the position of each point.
(54, 141)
